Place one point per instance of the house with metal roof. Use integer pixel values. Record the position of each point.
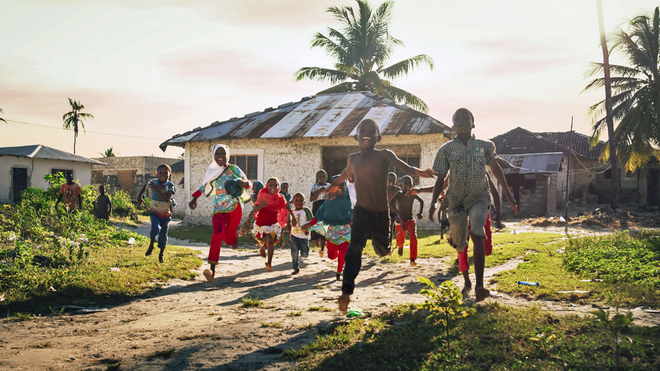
(292, 141)
(26, 166)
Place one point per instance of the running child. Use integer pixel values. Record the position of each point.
(402, 205)
(317, 196)
(159, 212)
(336, 215)
(226, 182)
(268, 224)
(299, 237)
(248, 224)
(71, 193)
(371, 214)
(392, 189)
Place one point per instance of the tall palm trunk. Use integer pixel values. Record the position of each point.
(608, 108)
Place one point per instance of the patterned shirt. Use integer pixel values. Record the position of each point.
(223, 202)
(468, 183)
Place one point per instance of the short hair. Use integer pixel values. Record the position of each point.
(283, 183)
(407, 178)
(368, 121)
(166, 166)
(298, 194)
(392, 174)
(463, 110)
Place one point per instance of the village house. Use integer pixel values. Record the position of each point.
(26, 166)
(291, 142)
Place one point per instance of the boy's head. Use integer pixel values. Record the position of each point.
(463, 121)
(101, 190)
(321, 176)
(220, 154)
(163, 172)
(368, 134)
(69, 177)
(257, 186)
(298, 200)
(391, 179)
(406, 182)
(284, 187)
(273, 186)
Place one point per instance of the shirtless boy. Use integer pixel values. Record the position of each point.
(371, 214)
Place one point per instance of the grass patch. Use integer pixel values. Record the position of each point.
(626, 263)
(198, 233)
(294, 314)
(167, 353)
(272, 324)
(495, 337)
(251, 302)
(319, 309)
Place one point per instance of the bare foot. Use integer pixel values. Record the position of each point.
(466, 290)
(149, 251)
(209, 275)
(321, 253)
(343, 302)
(338, 276)
(295, 272)
(400, 251)
(268, 267)
(235, 245)
(482, 293)
(412, 263)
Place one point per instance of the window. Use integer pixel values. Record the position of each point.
(247, 163)
(410, 160)
(63, 171)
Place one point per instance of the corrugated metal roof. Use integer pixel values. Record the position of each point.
(326, 115)
(39, 151)
(533, 163)
(579, 143)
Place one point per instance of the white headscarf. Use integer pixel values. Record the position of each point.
(214, 170)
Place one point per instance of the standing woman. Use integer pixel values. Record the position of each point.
(317, 197)
(227, 182)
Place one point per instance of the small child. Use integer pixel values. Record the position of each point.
(299, 237)
(159, 212)
(392, 189)
(284, 190)
(249, 222)
(226, 181)
(402, 204)
(102, 205)
(317, 196)
(267, 225)
(336, 215)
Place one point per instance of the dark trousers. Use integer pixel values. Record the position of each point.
(366, 225)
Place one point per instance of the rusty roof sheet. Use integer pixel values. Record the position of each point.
(326, 115)
(579, 142)
(533, 163)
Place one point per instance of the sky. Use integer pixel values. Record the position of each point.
(148, 70)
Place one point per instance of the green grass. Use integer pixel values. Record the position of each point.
(495, 337)
(320, 309)
(251, 302)
(198, 233)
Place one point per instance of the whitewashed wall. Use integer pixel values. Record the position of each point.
(290, 160)
(37, 168)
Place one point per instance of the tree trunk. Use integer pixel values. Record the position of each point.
(608, 108)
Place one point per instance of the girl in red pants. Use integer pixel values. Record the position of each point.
(227, 182)
(335, 216)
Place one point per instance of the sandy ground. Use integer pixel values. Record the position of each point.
(208, 327)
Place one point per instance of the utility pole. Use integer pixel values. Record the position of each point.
(568, 174)
(614, 162)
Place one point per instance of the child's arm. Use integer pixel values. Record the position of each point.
(409, 170)
(109, 205)
(499, 175)
(314, 195)
(139, 198)
(161, 191)
(345, 174)
(421, 207)
(293, 216)
(437, 188)
(259, 206)
(497, 203)
(393, 203)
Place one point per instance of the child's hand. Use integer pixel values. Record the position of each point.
(420, 216)
(193, 203)
(427, 173)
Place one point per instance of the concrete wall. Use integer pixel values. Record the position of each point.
(36, 170)
(290, 160)
(140, 169)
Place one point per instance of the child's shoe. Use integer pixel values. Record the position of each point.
(295, 272)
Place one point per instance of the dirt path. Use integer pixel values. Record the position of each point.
(209, 328)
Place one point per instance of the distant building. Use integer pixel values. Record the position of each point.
(291, 142)
(25, 166)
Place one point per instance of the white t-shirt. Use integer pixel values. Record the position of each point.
(301, 219)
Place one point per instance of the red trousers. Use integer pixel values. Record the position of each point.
(225, 227)
(411, 228)
(339, 252)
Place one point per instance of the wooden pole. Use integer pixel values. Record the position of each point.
(568, 174)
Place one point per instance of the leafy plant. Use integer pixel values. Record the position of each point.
(446, 303)
(614, 326)
(250, 302)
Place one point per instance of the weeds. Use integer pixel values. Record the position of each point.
(446, 303)
(320, 309)
(272, 324)
(167, 353)
(251, 302)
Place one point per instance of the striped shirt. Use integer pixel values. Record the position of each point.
(468, 183)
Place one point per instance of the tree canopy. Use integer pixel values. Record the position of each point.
(75, 118)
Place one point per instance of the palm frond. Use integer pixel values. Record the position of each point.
(320, 74)
(407, 66)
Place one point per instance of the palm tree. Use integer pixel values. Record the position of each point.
(73, 118)
(361, 49)
(108, 153)
(636, 93)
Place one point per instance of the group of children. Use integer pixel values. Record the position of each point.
(360, 203)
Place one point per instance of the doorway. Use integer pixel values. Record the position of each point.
(19, 182)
